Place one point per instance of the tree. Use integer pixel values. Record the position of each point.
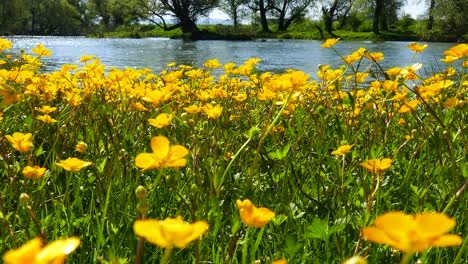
(235, 9)
(185, 12)
(385, 12)
(335, 10)
(13, 16)
(430, 20)
(288, 11)
(453, 18)
(262, 7)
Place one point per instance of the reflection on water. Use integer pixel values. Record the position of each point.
(276, 55)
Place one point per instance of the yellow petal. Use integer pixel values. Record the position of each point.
(433, 224)
(178, 151)
(378, 236)
(150, 230)
(146, 161)
(448, 241)
(26, 254)
(160, 146)
(58, 249)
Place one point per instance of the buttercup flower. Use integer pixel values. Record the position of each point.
(413, 233)
(34, 252)
(46, 119)
(253, 216)
(162, 120)
(163, 155)
(40, 50)
(81, 147)
(213, 111)
(377, 165)
(342, 150)
(417, 47)
(46, 109)
(171, 232)
(73, 164)
(35, 172)
(330, 42)
(21, 142)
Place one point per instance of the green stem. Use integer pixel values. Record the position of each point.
(218, 185)
(463, 250)
(262, 137)
(167, 254)
(407, 257)
(455, 196)
(245, 246)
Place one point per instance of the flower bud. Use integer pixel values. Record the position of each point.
(24, 198)
(141, 192)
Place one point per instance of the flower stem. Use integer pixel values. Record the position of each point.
(407, 257)
(245, 246)
(455, 196)
(37, 224)
(167, 254)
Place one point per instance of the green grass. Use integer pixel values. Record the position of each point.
(321, 201)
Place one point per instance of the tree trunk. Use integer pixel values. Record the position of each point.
(263, 17)
(377, 13)
(189, 27)
(430, 21)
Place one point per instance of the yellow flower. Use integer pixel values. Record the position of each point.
(162, 120)
(46, 119)
(330, 42)
(163, 155)
(73, 164)
(377, 56)
(212, 111)
(417, 47)
(21, 142)
(212, 64)
(45, 109)
(4, 44)
(449, 59)
(81, 147)
(86, 58)
(41, 51)
(139, 107)
(169, 232)
(35, 172)
(192, 109)
(409, 106)
(390, 85)
(342, 150)
(253, 216)
(413, 233)
(377, 165)
(33, 252)
(459, 51)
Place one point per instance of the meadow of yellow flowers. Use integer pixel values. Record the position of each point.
(356, 165)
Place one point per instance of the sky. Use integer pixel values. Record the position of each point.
(413, 7)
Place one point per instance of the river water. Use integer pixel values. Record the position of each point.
(276, 55)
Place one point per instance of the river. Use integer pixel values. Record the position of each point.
(276, 55)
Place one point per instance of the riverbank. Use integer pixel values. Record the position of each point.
(248, 32)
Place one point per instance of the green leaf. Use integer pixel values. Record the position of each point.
(318, 229)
